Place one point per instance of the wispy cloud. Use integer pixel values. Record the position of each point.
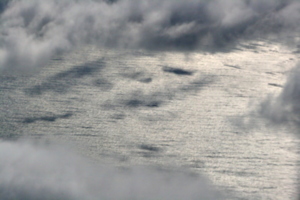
(39, 171)
(284, 109)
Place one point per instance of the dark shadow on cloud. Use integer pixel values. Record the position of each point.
(177, 71)
(233, 66)
(284, 109)
(9, 137)
(78, 72)
(145, 80)
(31, 171)
(108, 1)
(156, 99)
(147, 154)
(103, 84)
(86, 127)
(249, 46)
(297, 51)
(118, 116)
(57, 59)
(8, 194)
(48, 118)
(149, 151)
(63, 81)
(275, 85)
(137, 100)
(198, 84)
(148, 147)
(3, 5)
(86, 135)
(139, 76)
(133, 75)
(142, 102)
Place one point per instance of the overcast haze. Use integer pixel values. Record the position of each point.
(190, 90)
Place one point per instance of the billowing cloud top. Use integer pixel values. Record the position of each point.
(32, 31)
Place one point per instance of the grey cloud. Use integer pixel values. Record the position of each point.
(39, 171)
(284, 109)
(3, 4)
(33, 31)
(177, 71)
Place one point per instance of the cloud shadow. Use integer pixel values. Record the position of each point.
(48, 118)
(63, 81)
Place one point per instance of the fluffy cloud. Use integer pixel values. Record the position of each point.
(33, 31)
(284, 109)
(39, 171)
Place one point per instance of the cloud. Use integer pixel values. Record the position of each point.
(44, 171)
(3, 4)
(33, 31)
(284, 109)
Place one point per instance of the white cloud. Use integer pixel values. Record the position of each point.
(40, 171)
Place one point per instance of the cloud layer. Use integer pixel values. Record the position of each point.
(35, 171)
(33, 31)
(284, 109)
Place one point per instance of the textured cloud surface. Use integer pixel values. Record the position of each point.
(33, 31)
(30, 171)
(284, 109)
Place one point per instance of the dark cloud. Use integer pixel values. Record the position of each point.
(3, 4)
(34, 31)
(149, 147)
